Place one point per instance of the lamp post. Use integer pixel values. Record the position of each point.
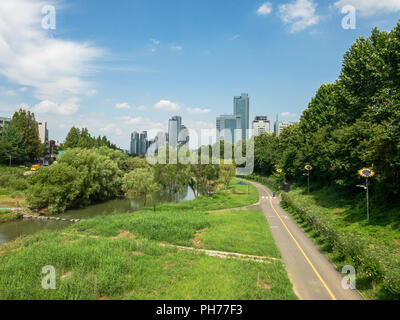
(280, 171)
(366, 173)
(308, 168)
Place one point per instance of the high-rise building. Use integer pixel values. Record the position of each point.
(183, 137)
(135, 143)
(241, 106)
(280, 125)
(3, 122)
(43, 132)
(261, 125)
(226, 125)
(174, 129)
(143, 143)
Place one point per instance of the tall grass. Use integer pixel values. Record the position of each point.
(124, 256)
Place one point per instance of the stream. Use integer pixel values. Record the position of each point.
(13, 230)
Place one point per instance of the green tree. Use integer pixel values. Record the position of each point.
(227, 172)
(12, 145)
(72, 138)
(140, 182)
(25, 123)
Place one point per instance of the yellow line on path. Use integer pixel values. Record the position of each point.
(302, 251)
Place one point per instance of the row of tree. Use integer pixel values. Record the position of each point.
(19, 140)
(78, 138)
(350, 124)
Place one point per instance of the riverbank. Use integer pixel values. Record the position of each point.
(181, 251)
(9, 215)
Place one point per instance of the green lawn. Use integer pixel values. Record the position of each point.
(133, 256)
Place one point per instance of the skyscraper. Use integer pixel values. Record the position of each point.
(174, 129)
(143, 143)
(183, 136)
(241, 105)
(226, 125)
(135, 143)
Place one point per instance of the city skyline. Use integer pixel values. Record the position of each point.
(142, 71)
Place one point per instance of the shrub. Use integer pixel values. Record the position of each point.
(80, 177)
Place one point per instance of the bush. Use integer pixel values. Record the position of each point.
(80, 177)
(56, 187)
(12, 178)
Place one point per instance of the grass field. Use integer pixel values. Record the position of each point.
(135, 256)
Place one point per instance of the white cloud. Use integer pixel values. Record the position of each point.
(23, 89)
(167, 105)
(128, 121)
(155, 41)
(198, 110)
(69, 107)
(371, 7)
(91, 92)
(176, 48)
(10, 93)
(236, 36)
(54, 68)
(141, 108)
(124, 105)
(288, 114)
(299, 14)
(265, 9)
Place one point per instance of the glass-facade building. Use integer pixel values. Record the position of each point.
(241, 105)
(174, 129)
(135, 143)
(226, 126)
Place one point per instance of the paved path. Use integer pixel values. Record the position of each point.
(313, 276)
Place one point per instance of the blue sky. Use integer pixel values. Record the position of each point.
(125, 65)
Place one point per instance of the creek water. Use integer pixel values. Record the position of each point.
(13, 230)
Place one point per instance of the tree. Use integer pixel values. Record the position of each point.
(227, 172)
(77, 138)
(12, 145)
(139, 182)
(86, 174)
(25, 123)
(72, 138)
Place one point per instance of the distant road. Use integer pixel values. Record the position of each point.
(313, 276)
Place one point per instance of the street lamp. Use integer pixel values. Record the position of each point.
(308, 168)
(366, 173)
(280, 171)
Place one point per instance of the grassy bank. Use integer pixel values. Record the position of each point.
(12, 187)
(8, 216)
(339, 227)
(135, 256)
